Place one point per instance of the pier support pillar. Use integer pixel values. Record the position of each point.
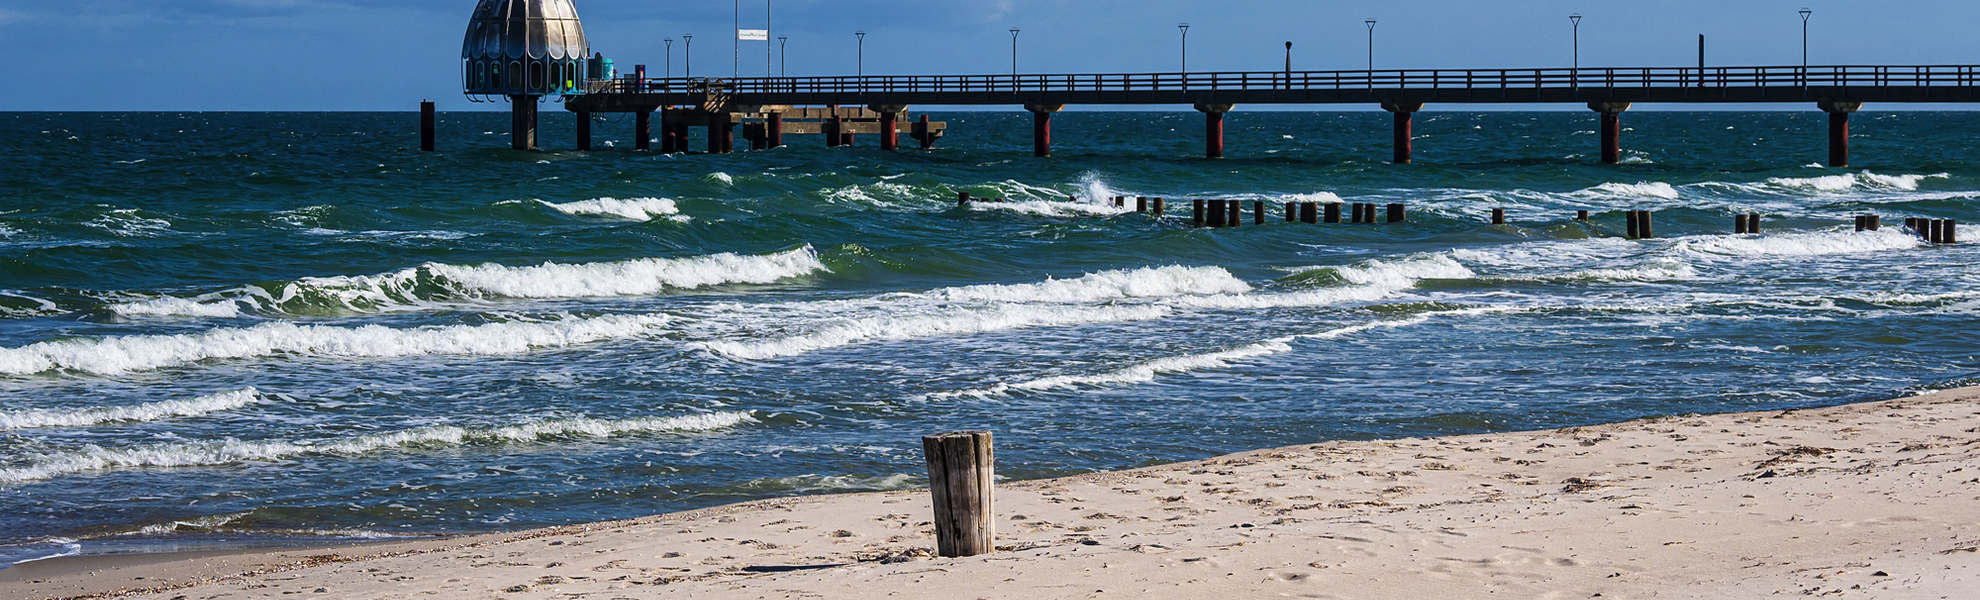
(924, 133)
(1405, 127)
(1839, 130)
(584, 132)
(1213, 128)
(774, 130)
(715, 131)
(728, 134)
(522, 126)
(1611, 129)
(426, 117)
(642, 131)
(890, 127)
(1041, 128)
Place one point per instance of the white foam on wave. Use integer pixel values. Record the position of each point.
(1848, 181)
(179, 307)
(1369, 281)
(1799, 244)
(114, 355)
(417, 286)
(233, 451)
(630, 209)
(1650, 190)
(140, 413)
(966, 321)
(126, 222)
(1147, 371)
(1107, 285)
(42, 306)
(1030, 199)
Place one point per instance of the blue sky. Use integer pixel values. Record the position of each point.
(389, 54)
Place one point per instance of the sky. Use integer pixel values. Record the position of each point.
(372, 55)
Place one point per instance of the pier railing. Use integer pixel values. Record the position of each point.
(1404, 79)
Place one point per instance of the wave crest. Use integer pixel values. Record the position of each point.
(232, 451)
(140, 413)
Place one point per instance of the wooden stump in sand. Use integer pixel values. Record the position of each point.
(959, 477)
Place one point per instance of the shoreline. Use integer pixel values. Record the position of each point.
(1852, 498)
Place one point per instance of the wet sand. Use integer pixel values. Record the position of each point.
(1863, 500)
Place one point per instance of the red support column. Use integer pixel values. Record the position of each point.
(668, 145)
(890, 131)
(1213, 128)
(1041, 128)
(1405, 128)
(1611, 129)
(774, 130)
(926, 134)
(832, 127)
(728, 134)
(1839, 130)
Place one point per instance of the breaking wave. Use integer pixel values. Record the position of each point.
(435, 282)
(1800, 244)
(109, 356)
(1107, 285)
(232, 451)
(154, 411)
(631, 209)
(969, 321)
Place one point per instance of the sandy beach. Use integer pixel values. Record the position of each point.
(1864, 500)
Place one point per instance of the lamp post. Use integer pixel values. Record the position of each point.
(670, 57)
(1184, 28)
(1804, 37)
(783, 66)
(687, 61)
(1576, 18)
(1371, 44)
(1289, 65)
(861, 65)
(1371, 53)
(1014, 34)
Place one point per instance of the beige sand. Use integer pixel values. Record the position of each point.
(1864, 501)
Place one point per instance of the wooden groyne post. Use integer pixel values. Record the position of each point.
(960, 469)
(426, 114)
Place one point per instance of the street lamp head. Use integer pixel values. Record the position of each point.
(1804, 13)
(1576, 17)
(1184, 27)
(1288, 45)
(861, 34)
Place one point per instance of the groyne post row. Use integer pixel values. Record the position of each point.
(1637, 223)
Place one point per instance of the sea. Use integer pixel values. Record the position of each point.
(231, 329)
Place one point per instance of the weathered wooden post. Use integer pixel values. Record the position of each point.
(1581, 215)
(1141, 204)
(1873, 221)
(1935, 231)
(1237, 213)
(1397, 213)
(1753, 223)
(1498, 216)
(1739, 224)
(1292, 212)
(961, 466)
(426, 116)
(962, 199)
(1199, 221)
(1334, 212)
(1309, 212)
(1949, 234)
(1643, 224)
(1258, 212)
(1634, 228)
(1158, 207)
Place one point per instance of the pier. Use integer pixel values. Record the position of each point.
(760, 103)
(524, 50)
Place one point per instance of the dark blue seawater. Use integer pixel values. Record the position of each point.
(226, 327)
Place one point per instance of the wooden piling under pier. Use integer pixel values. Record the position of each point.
(1498, 216)
(1333, 212)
